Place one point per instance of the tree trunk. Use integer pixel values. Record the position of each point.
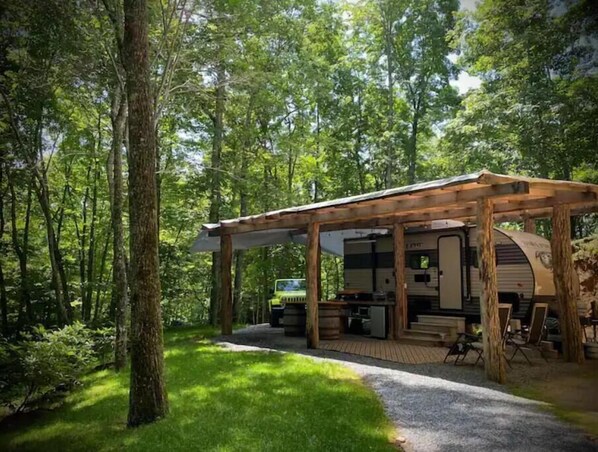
(240, 254)
(399, 318)
(226, 307)
(216, 192)
(412, 156)
(147, 397)
(100, 284)
(22, 253)
(59, 280)
(567, 290)
(313, 241)
(388, 181)
(87, 302)
(494, 359)
(119, 298)
(529, 225)
(238, 285)
(3, 296)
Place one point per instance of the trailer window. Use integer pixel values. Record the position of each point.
(419, 261)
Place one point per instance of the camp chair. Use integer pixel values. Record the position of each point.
(504, 317)
(533, 337)
(467, 342)
(460, 347)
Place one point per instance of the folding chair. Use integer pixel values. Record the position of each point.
(504, 317)
(469, 342)
(461, 346)
(533, 337)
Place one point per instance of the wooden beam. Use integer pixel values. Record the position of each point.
(226, 297)
(400, 308)
(567, 289)
(494, 360)
(405, 204)
(511, 211)
(451, 205)
(313, 240)
(546, 212)
(418, 204)
(319, 271)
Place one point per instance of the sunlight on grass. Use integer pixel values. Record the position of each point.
(220, 401)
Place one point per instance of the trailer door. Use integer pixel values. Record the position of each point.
(450, 279)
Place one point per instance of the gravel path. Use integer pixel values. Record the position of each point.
(440, 407)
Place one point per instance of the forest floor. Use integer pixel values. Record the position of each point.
(442, 407)
(219, 401)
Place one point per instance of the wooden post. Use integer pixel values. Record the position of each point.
(494, 360)
(313, 239)
(319, 271)
(567, 292)
(529, 225)
(399, 320)
(226, 290)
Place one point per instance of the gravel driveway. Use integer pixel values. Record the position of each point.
(440, 407)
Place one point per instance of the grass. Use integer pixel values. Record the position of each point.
(219, 401)
(569, 397)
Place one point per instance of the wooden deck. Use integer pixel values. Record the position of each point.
(386, 350)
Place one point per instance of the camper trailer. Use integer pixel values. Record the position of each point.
(442, 270)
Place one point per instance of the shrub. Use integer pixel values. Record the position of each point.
(103, 344)
(46, 360)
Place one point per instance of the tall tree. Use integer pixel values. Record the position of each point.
(148, 399)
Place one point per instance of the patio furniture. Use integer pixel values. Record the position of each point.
(460, 347)
(472, 342)
(504, 317)
(532, 338)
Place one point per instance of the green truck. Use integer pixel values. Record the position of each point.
(285, 291)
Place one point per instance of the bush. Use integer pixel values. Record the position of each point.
(46, 360)
(103, 344)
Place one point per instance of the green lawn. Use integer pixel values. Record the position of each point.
(220, 401)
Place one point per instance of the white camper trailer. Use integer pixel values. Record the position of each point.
(442, 270)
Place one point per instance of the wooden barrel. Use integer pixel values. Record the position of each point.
(294, 320)
(329, 321)
(591, 350)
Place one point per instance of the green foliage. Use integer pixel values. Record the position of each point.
(44, 360)
(319, 100)
(220, 400)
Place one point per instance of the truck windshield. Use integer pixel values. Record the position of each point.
(290, 285)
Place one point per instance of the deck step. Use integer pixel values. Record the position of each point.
(449, 330)
(425, 341)
(458, 322)
(426, 334)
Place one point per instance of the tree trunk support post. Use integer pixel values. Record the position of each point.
(319, 270)
(567, 290)
(529, 225)
(399, 317)
(226, 292)
(313, 240)
(494, 360)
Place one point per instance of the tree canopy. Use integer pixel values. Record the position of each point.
(258, 105)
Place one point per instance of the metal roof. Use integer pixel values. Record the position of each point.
(450, 198)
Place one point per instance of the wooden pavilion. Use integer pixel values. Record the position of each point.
(481, 197)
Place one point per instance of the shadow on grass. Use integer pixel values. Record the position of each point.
(220, 401)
